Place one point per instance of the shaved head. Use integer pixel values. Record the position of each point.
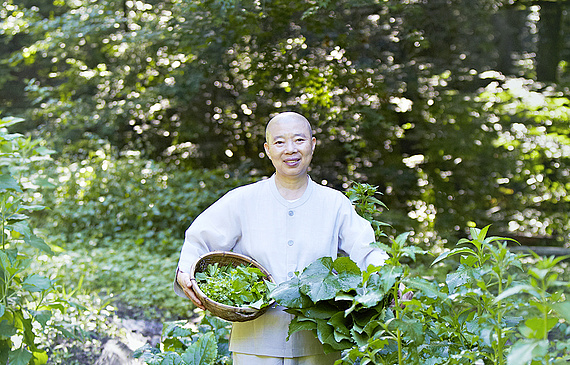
(284, 118)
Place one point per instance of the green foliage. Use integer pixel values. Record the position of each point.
(236, 286)
(368, 206)
(493, 309)
(340, 305)
(192, 84)
(141, 277)
(185, 343)
(26, 298)
(101, 200)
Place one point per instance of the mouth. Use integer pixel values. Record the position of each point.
(292, 162)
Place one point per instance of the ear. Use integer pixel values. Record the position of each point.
(266, 147)
(314, 142)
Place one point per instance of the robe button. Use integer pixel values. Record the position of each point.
(291, 213)
(290, 243)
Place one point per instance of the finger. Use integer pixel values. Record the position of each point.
(194, 298)
(187, 286)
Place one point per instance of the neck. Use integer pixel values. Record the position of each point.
(291, 188)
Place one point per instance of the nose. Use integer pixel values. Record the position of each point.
(290, 147)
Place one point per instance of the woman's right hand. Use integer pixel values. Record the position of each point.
(185, 283)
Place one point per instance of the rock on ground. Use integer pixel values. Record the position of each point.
(137, 333)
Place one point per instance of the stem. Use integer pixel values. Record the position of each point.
(3, 223)
(545, 320)
(398, 315)
(500, 357)
(500, 337)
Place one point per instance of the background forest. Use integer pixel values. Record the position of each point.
(458, 111)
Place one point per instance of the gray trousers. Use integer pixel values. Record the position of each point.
(247, 359)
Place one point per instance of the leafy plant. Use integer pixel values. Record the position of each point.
(491, 309)
(26, 302)
(104, 199)
(368, 206)
(340, 304)
(236, 286)
(549, 314)
(184, 343)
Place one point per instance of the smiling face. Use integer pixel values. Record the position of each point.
(290, 145)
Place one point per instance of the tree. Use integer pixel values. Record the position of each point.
(397, 91)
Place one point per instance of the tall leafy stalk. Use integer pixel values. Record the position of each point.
(24, 309)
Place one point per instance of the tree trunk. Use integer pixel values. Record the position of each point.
(549, 41)
(508, 23)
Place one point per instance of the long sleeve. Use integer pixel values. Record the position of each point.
(216, 228)
(355, 236)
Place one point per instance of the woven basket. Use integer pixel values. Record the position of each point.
(229, 313)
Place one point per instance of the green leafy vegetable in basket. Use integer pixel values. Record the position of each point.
(340, 304)
(236, 286)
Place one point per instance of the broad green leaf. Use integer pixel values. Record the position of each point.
(340, 323)
(7, 329)
(40, 357)
(540, 274)
(203, 351)
(371, 327)
(36, 283)
(301, 325)
(386, 278)
(456, 279)
(563, 310)
(349, 274)
(5, 346)
(382, 246)
(410, 327)
(325, 334)
(402, 238)
(5, 261)
(38, 243)
(7, 182)
(146, 349)
(339, 336)
(369, 297)
(524, 351)
(538, 326)
(21, 227)
(322, 310)
(31, 208)
(363, 317)
(20, 356)
(8, 121)
(288, 294)
(318, 280)
(44, 183)
(2, 309)
(43, 151)
(523, 288)
(42, 316)
(479, 234)
(493, 239)
(412, 251)
(429, 288)
(360, 338)
(172, 358)
(455, 251)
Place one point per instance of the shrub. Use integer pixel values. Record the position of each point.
(103, 201)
